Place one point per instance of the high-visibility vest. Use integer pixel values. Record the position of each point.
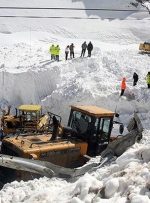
(123, 85)
(57, 50)
(51, 50)
(148, 79)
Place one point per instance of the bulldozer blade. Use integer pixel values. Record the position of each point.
(48, 169)
(25, 165)
(42, 167)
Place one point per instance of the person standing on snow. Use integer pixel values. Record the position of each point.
(84, 47)
(51, 51)
(57, 52)
(148, 79)
(71, 50)
(89, 48)
(123, 86)
(135, 78)
(67, 52)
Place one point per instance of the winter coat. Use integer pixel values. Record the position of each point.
(135, 77)
(71, 48)
(52, 49)
(148, 78)
(57, 51)
(67, 50)
(123, 84)
(84, 45)
(90, 46)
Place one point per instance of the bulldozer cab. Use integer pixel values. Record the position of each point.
(31, 118)
(93, 125)
(29, 113)
(27, 118)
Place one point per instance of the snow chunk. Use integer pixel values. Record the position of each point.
(126, 158)
(140, 199)
(111, 187)
(144, 153)
(76, 200)
(87, 184)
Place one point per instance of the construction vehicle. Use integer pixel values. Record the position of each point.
(145, 47)
(28, 118)
(87, 134)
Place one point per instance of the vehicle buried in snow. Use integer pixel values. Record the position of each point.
(144, 47)
(28, 118)
(60, 150)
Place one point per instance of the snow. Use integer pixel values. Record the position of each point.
(111, 187)
(116, 182)
(28, 76)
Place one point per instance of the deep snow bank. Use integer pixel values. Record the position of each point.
(28, 76)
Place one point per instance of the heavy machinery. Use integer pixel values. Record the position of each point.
(145, 47)
(28, 118)
(54, 153)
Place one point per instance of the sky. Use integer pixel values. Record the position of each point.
(27, 75)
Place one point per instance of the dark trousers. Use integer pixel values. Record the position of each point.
(134, 83)
(54, 133)
(57, 57)
(71, 54)
(148, 85)
(122, 92)
(83, 52)
(89, 53)
(66, 55)
(52, 57)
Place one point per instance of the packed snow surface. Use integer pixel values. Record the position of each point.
(27, 75)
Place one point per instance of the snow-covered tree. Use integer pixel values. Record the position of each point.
(144, 3)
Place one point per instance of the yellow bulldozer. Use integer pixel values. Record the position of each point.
(60, 150)
(145, 47)
(28, 118)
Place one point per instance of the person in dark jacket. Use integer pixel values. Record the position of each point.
(71, 50)
(84, 47)
(56, 124)
(135, 78)
(89, 48)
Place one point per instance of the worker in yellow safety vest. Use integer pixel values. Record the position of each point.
(57, 52)
(148, 79)
(52, 51)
